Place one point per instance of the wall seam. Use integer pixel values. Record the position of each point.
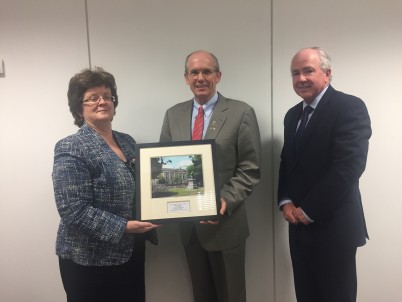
(88, 40)
(273, 151)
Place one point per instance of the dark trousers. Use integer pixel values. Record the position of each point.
(118, 283)
(323, 274)
(216, 275)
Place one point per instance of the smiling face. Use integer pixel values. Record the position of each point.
(98, 114)
(202, 76)
(307, 76)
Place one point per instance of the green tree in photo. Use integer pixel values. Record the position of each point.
(195, 170)
(156, 166)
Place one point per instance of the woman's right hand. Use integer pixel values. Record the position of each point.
(135, 226)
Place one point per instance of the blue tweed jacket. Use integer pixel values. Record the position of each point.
(95, 193)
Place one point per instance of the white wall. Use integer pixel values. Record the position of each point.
(41, 48)
(144, 44)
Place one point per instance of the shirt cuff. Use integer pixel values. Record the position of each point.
(283, 202)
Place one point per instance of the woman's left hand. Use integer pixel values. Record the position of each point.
(135, 226)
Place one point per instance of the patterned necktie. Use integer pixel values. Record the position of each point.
(303, 121)
(198, 125)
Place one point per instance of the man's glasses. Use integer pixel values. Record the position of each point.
(93, 99)
(206, 73)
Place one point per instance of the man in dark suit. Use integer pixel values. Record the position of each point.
(318, 190)
(215, 250)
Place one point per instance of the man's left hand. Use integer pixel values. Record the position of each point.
(222, 212)
(299, 215)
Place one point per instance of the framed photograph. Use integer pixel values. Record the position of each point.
(176, 182)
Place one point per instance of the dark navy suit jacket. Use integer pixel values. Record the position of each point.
(322, 176)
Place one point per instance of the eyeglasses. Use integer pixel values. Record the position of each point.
(206, 73)
(93, 99)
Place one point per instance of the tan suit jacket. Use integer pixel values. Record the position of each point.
(233, 126)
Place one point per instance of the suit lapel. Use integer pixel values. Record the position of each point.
(293, 121)
(124, 145)
(218, 118)
(92, 136)
(183, 123)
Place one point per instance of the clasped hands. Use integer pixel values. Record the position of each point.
(293, 214)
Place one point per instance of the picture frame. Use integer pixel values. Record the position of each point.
(177, 181)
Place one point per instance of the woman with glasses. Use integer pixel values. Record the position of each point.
(101, 248)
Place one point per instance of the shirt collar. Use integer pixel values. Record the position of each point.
(208, 106)
(314, 103)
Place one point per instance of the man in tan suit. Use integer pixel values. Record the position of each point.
(215, 250)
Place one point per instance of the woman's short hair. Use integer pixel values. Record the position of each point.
(81, 82)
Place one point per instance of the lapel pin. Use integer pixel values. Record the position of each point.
(213, 126)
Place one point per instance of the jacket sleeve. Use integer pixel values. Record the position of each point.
(247, 173)
(74, 195)
(282, 180)
(165, 135)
